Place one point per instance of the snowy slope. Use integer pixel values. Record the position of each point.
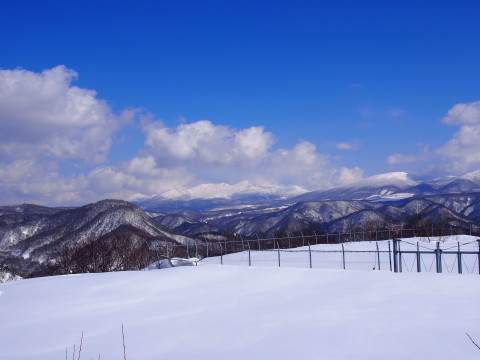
(226, 312)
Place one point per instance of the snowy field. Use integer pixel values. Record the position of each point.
(234, 312)
(364, 256)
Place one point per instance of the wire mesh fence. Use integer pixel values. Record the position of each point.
(451, 252)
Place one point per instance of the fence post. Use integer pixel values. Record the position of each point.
(343, 256)
(378, 257)
(478, 262)
(289, 243)
(243, 245)
(316, 240)
(310, 255)
(206, 241)
(459, 258)
(419, 265)
(278, 252)
(390, 256)
(188, 255)
(249, 258)
(395, 262)
(258, 239)
(221, 254)
(400, 266)
(438, 257)
(303, 239)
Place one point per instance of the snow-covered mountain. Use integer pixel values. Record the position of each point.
(330, 215)
(29, 237)
(209, 196)
(384, 187)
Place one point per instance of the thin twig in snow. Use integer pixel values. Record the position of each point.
(474, 343)
(80, 349)
(124, 352)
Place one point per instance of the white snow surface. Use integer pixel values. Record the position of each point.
(233, 312)
(363, 255)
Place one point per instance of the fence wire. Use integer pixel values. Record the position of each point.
(442, 253)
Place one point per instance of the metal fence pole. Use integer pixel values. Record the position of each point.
(438, 257)
(206, 241)
(459, 258)
(378, 257)
(395, 261)
(249, 258)
(243, 244)
(343, 256)
(258, 239)
(278, 252)
(221, 254)
(478, 262)
(419, 265)
(400, 267)
(310, 255)
(390, 256)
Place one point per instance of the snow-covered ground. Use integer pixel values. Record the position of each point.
(239, 312)
(363, 255)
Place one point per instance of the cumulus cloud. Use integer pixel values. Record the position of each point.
(46, 122)
(462, 151)
(42, 114)
(463, 114)
(221, 153)
(205, 142)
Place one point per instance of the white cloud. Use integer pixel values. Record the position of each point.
(208, 143)
(42, 114)
(46, 123)
(397, 158)
(462, 151)
(462, 114)
(346, 146)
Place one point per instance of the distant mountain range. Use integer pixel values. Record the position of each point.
(385, 187)
(32, 235)
(392, 198)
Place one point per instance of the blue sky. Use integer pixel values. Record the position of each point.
(305, 93)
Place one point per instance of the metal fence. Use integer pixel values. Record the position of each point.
(339, 251)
